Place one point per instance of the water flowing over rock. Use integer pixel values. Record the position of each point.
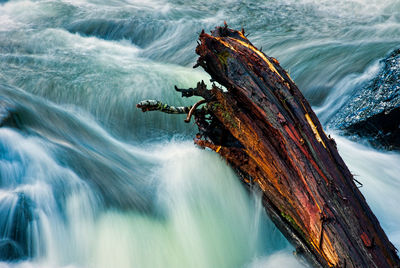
(8, 116)
(374, 111)
(108, 186)
(15, 243)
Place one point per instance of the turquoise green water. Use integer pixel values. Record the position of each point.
(91, 181)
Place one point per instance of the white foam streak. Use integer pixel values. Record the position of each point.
(342, 92)
(278, 260)
(201, 204)
(379, 172)
(206, 213)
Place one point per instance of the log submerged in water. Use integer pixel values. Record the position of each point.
(266, 130)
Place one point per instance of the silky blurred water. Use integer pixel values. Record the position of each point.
(90, 181)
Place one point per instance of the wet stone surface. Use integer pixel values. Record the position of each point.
(8, 115)
(374, 111)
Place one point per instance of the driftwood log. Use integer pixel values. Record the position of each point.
(263, 126)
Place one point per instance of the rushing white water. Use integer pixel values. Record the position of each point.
(90, 181)
(379, 173)
(193, 225)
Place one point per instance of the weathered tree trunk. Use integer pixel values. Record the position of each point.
(263, 126)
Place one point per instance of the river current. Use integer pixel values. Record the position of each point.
(90, 181)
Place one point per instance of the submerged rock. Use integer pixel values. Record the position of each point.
(8, 114)
(15, 224)
(10, 250)
(374, 111)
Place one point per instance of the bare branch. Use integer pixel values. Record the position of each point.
(154, 105)
(200, 90)
(193, 109)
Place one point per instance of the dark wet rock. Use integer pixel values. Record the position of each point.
(10, 250)
(15, 242)
(8, 114)
(374, 111)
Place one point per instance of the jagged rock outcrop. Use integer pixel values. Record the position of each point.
(374, 111)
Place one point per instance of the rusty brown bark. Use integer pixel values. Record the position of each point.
(263, 126)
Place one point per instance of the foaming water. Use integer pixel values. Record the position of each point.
(34, 191)
(340, 95)
(379, 174)
(87, 72)
(278, 260)
(201, 211)
(201, 225)
(102, 219)
(90, 181)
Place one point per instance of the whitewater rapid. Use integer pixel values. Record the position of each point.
(90, 181)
